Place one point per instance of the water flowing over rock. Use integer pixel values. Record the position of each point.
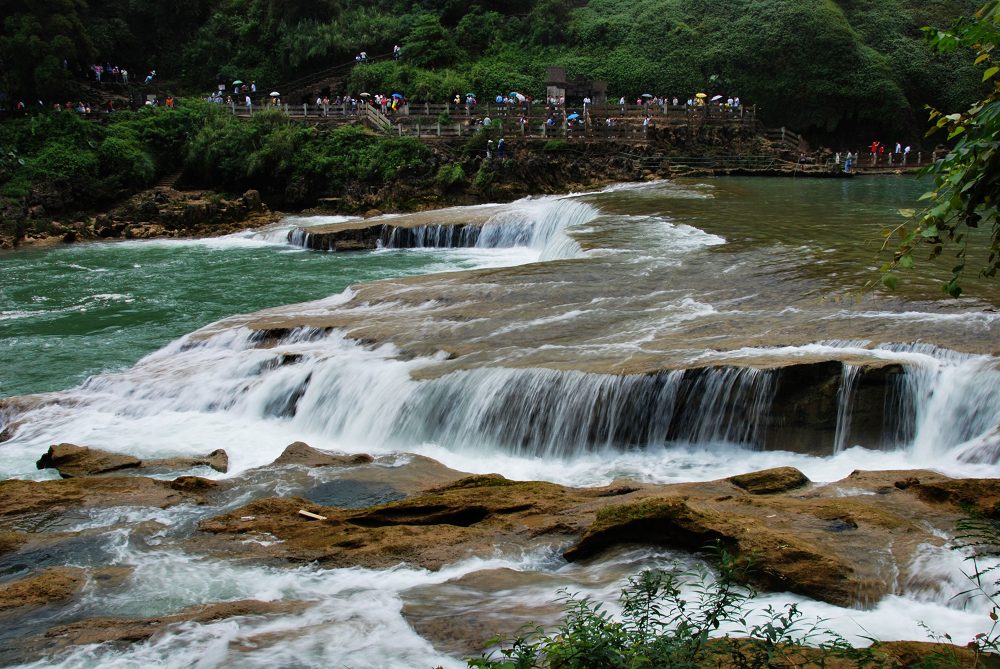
(839, 543)
(45, 587)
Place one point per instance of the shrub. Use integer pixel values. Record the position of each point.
(669, 619)
(450, 175)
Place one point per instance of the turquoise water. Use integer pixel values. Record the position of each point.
(69, 312)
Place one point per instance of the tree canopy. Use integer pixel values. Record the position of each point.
(967, 178)
(854, 69)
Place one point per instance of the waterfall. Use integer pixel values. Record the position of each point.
(318, 382)
(538, 224)
(429, 236)
(534, 412)
(845, 397)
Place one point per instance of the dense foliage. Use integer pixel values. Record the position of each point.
(967, 179)
(824, 67)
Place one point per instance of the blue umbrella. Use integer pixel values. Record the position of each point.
(572, 117)
(512, 94)
(398, 95)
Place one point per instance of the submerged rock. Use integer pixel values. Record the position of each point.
(49, 586)
(125, 630)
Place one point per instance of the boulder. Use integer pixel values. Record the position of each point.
(217, 460)
(770, 481)
(72, 461)
(300, 453)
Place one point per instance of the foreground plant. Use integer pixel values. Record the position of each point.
(967, 178)
(676, 619)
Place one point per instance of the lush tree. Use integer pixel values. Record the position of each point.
(429, 44)
(42, 42)
(967, 178)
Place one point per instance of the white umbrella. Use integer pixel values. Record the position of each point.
(716, 97)
(275, 94)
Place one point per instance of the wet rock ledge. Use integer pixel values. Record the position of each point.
(443, 228)
(848, 543)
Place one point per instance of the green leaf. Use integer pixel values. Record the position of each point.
(907, 213)
(929, 232)
(988, 74)
(906, 261)
(890, 280)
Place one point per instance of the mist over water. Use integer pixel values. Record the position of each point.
(555, 343)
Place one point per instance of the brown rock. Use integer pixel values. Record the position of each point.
(300, 453)
(770, 481)
(217, 460)
(73, 461)
(18, 497)
(474, 516)
(49, 586)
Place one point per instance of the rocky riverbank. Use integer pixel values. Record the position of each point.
(850, 542)
(161, 212)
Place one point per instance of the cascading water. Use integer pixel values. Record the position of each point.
(844, 397)
(625, 363)
(538, 224)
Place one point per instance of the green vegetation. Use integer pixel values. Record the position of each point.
(967, 179)
(825, 68)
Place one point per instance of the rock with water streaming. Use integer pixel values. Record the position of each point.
(48, 586)
(845, 543)
(120, 631)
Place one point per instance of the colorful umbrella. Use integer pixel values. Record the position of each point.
(398, 95)
(701, 95)
(237, 82)
(572, 117)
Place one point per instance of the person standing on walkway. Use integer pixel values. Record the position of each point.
(501, 149)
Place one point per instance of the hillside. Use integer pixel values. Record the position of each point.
(829, 68)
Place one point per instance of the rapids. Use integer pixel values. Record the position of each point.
(638, 332)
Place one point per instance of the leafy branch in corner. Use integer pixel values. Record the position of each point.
(967, 178)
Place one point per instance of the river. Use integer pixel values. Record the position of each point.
(551, 350)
